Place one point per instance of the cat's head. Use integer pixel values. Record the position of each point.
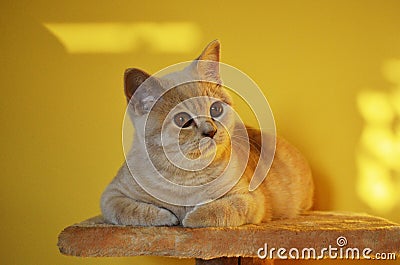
(186, 112)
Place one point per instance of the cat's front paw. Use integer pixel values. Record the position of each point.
(165, 218)
(213, 214)
(154, 216)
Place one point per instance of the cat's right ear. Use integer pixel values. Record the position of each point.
(142, 99)
(133, 78)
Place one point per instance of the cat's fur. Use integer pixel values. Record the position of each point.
(286, 192)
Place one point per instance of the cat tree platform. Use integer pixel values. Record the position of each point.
(238, 245)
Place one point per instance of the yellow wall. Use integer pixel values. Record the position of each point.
(61, 109)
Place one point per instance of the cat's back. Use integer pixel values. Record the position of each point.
(288, 186)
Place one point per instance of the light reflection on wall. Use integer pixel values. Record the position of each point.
(171, 37)
(378, 155)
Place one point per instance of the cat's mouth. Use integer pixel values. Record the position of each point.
(206, 144)
(205, 147)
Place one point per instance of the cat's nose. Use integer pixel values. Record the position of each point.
(209, 129)
(209, 133)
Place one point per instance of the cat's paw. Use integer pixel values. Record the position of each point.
(210, 215)
(194, 218)
(156, 217)
(165, 218)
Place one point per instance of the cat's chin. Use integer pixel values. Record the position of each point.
(206, 148)
(206, 145)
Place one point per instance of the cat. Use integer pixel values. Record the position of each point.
(286, 192)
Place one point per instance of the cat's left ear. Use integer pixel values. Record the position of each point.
(141, 90)
(208, 62)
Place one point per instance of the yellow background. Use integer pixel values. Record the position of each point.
(61, 112)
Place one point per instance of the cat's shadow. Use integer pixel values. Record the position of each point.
(323, 197)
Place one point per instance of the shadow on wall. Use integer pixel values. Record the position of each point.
(323, 197)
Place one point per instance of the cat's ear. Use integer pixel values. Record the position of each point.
(150, 90)
(208, 62)
(211, 52)
(133, 78)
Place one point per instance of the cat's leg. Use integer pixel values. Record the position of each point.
(119, 209)
(230, 210)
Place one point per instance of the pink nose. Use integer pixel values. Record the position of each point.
(209, 133)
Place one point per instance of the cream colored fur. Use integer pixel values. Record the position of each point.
(286, 192)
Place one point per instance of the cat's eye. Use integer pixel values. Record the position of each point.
(183, 119)
(216, 109)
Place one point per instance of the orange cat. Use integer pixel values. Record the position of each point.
(190, 122)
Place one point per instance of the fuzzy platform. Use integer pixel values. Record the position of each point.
(237, 245)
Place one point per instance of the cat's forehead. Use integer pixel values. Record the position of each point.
(197, 91)
(194, 97)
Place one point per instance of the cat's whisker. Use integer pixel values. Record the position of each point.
(247, 153)
(249, 140)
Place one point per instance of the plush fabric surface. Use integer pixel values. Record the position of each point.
(318, 230)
